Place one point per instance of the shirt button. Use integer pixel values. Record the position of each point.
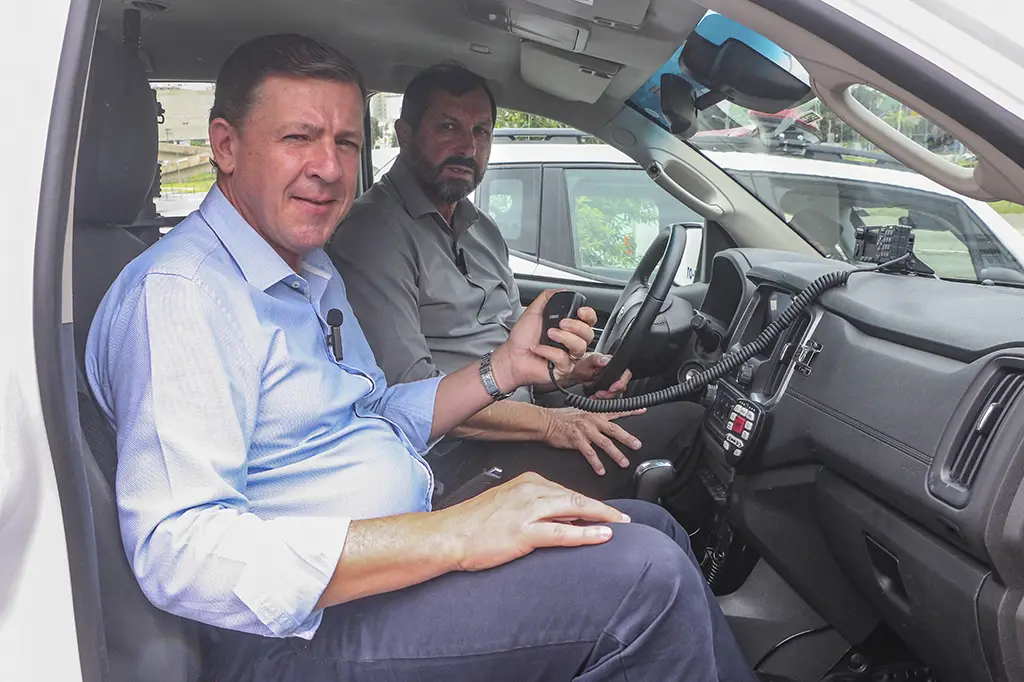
(295, 285)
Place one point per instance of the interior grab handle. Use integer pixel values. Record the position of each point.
(656, 172)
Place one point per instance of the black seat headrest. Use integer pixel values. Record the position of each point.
(118, 154)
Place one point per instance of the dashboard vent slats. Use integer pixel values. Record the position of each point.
(964, 467)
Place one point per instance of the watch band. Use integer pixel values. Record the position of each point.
(487, 376)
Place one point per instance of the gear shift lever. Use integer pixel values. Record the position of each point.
(651, 478)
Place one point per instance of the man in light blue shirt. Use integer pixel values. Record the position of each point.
(271, 485)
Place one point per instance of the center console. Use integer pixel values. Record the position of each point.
(739, 406)
(738, 418)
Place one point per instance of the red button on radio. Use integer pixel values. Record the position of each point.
(738, 425)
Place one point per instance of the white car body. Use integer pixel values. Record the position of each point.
(512, 153)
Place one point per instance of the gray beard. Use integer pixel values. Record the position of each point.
(453, 191)
(448, 191)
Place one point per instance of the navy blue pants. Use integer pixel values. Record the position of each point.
(635, 608)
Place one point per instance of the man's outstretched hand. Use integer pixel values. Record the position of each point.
(511, 520)
(571, 429)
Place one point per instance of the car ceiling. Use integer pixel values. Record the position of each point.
(390, 40)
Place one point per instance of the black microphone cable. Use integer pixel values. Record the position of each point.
(730, 361)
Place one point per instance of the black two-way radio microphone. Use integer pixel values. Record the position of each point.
(334, 320)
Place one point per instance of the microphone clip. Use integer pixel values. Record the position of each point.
(335, 318)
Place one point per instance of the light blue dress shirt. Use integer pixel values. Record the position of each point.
(244, 449)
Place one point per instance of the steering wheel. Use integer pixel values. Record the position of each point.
(634, 313)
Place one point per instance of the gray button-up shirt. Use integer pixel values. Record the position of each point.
(400, 261)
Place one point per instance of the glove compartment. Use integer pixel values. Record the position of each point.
(922, 586)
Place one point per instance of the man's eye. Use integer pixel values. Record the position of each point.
(448, 126)
(348, 144)
(296, 137)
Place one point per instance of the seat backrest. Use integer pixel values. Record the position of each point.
(116, 165)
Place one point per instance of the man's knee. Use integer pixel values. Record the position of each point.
(654, 516)
(654, 574)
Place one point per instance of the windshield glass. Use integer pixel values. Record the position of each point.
(820, 175)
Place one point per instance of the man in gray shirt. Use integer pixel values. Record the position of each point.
(429, 279)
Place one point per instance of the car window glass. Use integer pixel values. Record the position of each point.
(511, 197)
(615, 214)
(184, 156)
(957, 239)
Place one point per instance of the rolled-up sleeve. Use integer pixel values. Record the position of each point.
(172, 371)
(411, 408)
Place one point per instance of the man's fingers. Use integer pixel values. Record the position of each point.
(588, 315)
(622, 435)
(577, 507)
(556, 355)
(620, 415)
(549, 534)
(587, 450)
(576, 345)
(579, 328)
(604, 442)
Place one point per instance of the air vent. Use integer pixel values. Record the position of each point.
(964, 467)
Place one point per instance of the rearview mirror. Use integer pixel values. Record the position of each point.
(739, 65)
(679, 105)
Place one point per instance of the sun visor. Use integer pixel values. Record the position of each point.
(547, 31)
(623, 14)
(571, 76)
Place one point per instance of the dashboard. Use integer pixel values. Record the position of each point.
(883, 478)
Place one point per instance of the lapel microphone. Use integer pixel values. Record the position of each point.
(334, 320)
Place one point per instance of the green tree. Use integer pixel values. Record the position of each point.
(383, 134)
(606, 229)
(509, 118)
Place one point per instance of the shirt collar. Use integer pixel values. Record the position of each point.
(418, 205)
(260, 264)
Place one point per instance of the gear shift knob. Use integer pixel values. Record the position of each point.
(652, 478)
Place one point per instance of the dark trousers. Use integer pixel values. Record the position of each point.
(635, 608)
(666, 432)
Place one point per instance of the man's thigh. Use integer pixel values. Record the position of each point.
(666, 432)
(549, 615)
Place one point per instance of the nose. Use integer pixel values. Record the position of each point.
(325, 162)
(466, 144)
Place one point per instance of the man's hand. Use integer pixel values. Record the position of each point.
(511, 520)
(572, 429)
(589, 369)
(523, 361)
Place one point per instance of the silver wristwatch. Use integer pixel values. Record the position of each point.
(487, 376)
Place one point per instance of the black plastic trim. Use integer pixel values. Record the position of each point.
(54, 382)
(923, 79)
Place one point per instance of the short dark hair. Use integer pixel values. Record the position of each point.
(453, 78)
(282, 54)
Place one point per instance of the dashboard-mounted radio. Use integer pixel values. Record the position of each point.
(735, 421)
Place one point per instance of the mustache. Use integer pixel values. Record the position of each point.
(465, 161)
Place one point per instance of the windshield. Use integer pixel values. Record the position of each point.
(825, 179)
